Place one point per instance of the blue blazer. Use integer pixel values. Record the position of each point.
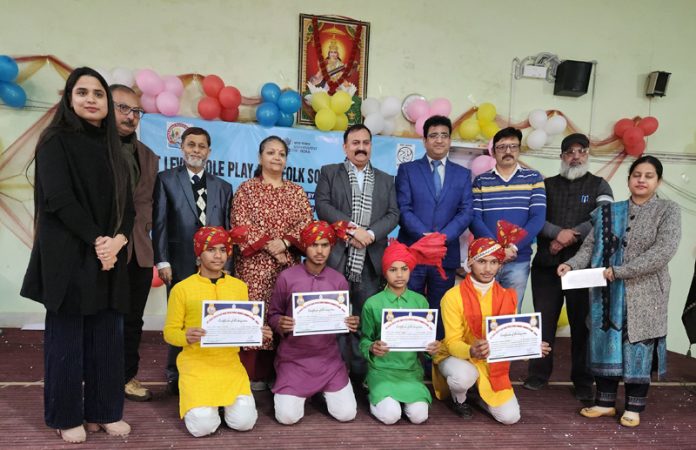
(421, 212)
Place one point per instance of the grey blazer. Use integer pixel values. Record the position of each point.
(653, 239)
(334, 201)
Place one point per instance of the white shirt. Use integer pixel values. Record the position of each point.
(359, 174)
(511, 175)
(440, 169)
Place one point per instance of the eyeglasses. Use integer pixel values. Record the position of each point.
(125, 110)
(502, 148)
(434, 136)
(572, 151)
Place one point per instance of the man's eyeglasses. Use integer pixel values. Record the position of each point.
(125, 110)
(502, 148)
(579, 151)
(434, 136)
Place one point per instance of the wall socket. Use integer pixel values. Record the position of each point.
(531, 71)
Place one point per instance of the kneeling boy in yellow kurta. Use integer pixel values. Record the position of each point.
(209, 377)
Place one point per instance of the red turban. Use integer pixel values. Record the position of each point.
(483, 247)
(319, 229)
(509, 233)
(428, 250)
(207, 237)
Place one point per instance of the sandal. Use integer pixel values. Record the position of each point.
(119, 428)
(594, 412)
(629, 422)
(73, 435)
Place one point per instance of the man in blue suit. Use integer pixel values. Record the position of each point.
(185, 199)
(434, 194)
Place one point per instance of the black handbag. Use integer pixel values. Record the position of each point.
(689, 314)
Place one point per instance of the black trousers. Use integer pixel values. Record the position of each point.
(636, 394)
(83, 348)
(140, 283)
(548, 300)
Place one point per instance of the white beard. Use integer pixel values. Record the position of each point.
(198, 163)
(573, 172)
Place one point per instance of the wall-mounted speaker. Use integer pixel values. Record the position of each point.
(656, 85)
(572, 78)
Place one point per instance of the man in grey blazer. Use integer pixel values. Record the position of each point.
(185, 199)
(356, 192)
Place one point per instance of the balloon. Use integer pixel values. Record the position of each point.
(419, 124)
(106, 75)
(124, 76)
(469, 130)
(481, 164)
(173, 84)
(209, 108)
(417, 109)
(389, 127)
(486, 112)
(440, 107)
(286, 119)
(229, 114)
(648, 125)
(536, 139)
(156, 280)
(320, 100)
(325, 119)
(375, 122)
(212, 85)
(340, 102)
(632, 136)
(488, 129)
(230, 97)
(12, 94)
(636, 149)
(538, 118)
(391, 107)
(341, 122)
(149, 82)
(370, 106)
(563, 318)
(289, 102)
(621, 126)
(555, 125)
(168, 103)
(267, 114)
(8, 68)
(149, 103)
(270, 92)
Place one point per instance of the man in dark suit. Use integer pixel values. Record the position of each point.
(356, 192)
(143, 166)
(434, 194)
(186, 198)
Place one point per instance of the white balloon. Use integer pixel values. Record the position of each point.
(108, 77)
(549, 139)
(555, 125)
(389, 127)
(375, 123)
(536, 139)
(123, 76)
(537, 119)
(369, 106)
(391, 107)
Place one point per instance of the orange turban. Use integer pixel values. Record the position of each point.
(319, 229)
(207, 237)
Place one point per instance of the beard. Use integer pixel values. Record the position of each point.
(194, 162)
(573, 172)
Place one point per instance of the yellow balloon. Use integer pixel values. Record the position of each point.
(563, 318)
(340, 102)
(341, 123)
(325, 119)
(469, 130)
(488, 129)
(320, 100)
(486, 112)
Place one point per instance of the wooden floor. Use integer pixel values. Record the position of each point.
(549, 417)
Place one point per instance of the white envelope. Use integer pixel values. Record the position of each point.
(586, 278)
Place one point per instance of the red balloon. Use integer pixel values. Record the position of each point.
(632, 136)
(229, 114)
(621, 126)
(230, 97)
(648, 125)
(156, 280)
(209, 108)
(635, 150)
(212, 85)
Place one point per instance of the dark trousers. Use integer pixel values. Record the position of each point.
(548, 300)
(426, 280)
(636, 394)
(83, 348)
(258, 364)
(140, 282)
(171, 371)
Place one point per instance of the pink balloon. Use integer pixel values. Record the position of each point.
(417, 108)
(482, 164)
(419, 124)
(168, 103)
(149, 82)
(149, 103)
(490, 147)
(440, 107)
(173, 84)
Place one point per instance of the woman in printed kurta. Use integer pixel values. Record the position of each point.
(275, 210)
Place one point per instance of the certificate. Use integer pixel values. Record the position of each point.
(408, 330)
(232, 323)
(513, 337)
(320, 312)
(585, 278)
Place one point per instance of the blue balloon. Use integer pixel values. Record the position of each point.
(267, 114)
(270, 92)
(290, 102)
(285, 119)
(12, 94)
(8, 68)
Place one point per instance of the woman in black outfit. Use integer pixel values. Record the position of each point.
(77, 269)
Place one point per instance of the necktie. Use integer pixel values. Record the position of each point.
(200, 198)
(437, 181)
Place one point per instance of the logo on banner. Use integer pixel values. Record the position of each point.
(404, 153)
(174, 132)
